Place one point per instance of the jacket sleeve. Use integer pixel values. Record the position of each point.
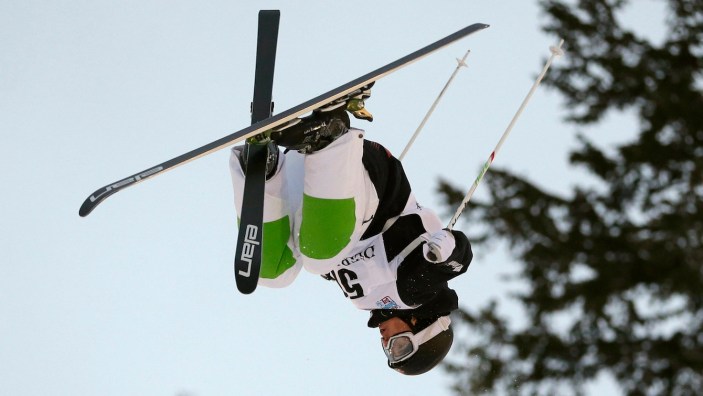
(458, 262)
(420, 281)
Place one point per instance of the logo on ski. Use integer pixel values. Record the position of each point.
(127, 181)
(249, 248)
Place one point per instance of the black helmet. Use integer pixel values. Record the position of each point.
(417, 352)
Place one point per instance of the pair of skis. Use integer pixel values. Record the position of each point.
(249, 243)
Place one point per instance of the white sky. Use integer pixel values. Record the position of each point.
(139, 298)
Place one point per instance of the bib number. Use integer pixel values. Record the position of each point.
(347, 281)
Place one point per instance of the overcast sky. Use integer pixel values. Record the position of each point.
(139, 298)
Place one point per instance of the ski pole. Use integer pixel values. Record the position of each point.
(461, 62)
(556, 51)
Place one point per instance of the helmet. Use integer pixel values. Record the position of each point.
(417, 352)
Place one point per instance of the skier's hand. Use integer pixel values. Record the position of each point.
(439, 246)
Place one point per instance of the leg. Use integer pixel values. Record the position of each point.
(278, 264)
(338, 196)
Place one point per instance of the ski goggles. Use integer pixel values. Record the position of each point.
(403, 346)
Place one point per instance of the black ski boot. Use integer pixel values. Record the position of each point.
(271, 160)
(326, 124)
(314, 132)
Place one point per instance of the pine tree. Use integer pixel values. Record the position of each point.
(614, 269)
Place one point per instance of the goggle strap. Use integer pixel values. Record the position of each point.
(432, 330)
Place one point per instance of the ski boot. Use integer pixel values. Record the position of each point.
(326, 124)
(314, 132)
(271, 159)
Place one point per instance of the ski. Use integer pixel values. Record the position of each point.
(247, 262)
(104, 192)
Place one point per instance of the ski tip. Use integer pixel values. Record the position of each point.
(473, 28)
(86, 208)
(95, 199)
(477, 26)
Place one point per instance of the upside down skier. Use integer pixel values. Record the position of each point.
(358, 224)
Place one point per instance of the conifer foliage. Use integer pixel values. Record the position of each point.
(613, 270)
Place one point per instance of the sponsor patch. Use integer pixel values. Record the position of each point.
(387, 303)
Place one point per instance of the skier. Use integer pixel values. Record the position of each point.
(357, 223)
